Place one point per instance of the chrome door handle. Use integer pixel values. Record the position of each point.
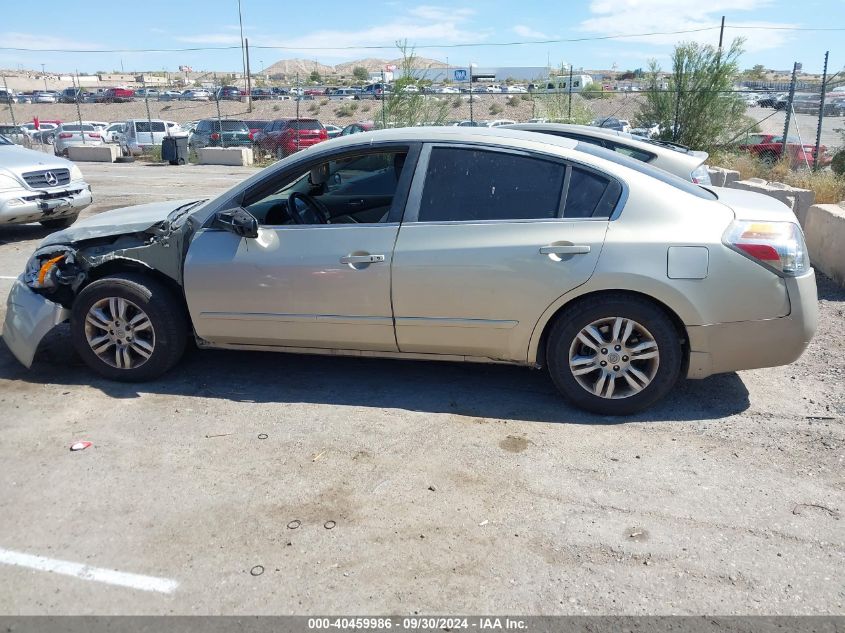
(574, 249)
(361, 259)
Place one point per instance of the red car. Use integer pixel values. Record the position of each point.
(118, 95)
(769, 148)
(283, 137)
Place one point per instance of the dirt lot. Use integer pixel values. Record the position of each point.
(449, 488)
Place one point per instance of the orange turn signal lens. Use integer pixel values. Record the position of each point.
(46, 266)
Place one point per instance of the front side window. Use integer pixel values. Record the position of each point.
(352, 189)
(474, 185)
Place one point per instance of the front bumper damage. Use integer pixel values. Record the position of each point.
(23, 205)
(29, 317)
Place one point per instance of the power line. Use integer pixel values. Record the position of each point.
(596, 38)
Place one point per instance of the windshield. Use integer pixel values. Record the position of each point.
(644, 168)
(5, 141)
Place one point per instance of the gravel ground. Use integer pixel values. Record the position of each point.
(451, 488)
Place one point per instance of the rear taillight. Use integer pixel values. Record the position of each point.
(700, 175)
(94, 135)
(65, 135)
(251, 135)
(778, 246)
(215, 136)
(324, 134)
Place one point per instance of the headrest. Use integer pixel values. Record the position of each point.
(320, 174)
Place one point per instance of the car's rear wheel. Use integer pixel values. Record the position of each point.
(128, 327)
(280, 153)
(614, 355)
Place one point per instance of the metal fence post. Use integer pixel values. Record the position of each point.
(789, 106)
(675, 127)
(821, 114)
(11, 101)
(219, 118)
(76, 97)
(569, 111)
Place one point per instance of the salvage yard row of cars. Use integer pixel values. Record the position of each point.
(543, 246)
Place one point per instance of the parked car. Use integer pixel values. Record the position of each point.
(147, 93)
(228, 93)
(75, 134)
(169, 95)
(217, 133)
(41, 134)
(357, 128)
(196, 95)
(256, 127)
(141, 135)
(7, 96)
(675, 159)
(71, 95)
(283, 137)
(769, 149)
(15, 134)
(332, 130)
(469, 123)
(24, 97)
(37, 187)
(259, 94)
(513, 247)
(498, 122)
(612, 123)
(118, 95)
(646, 130)
(375, 91)
(344, 94)
(44, 97)
(112, 132)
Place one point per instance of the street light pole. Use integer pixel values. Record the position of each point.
(471, 119)
(44, 76)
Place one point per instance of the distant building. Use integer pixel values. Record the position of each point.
(460, 74)
(151, 80)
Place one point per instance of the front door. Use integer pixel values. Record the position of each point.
(319, 273)
(491, 239)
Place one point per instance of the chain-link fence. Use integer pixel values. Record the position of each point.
(181, 109)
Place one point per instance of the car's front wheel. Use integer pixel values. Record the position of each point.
(128, 327)
(614, 355)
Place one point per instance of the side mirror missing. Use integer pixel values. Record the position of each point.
(238, 221)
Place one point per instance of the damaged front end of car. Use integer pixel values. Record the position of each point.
(41, 298)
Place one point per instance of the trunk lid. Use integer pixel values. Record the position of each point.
(748, 205)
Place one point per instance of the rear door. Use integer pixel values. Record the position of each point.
(491, 238)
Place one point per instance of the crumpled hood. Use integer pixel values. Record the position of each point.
(116, 222)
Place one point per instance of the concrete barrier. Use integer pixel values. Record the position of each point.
(799, 200)
(226, 156)
(824, 231)
(721, 177)
(94, 153)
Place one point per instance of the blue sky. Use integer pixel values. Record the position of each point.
(305, 27)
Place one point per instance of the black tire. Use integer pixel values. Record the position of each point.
(58, 223)
(280, 153)
(125, 159)
(769, 158)
(165, 312)
(570, 323)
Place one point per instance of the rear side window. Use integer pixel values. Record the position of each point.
(144, 126)
(590, 195)
(471, 185)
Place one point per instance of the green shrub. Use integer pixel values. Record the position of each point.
(838, 164)
(277, 107)
(512, 101)
(344, 111)
(457, 102)
(313, 108)
(324, 102)
(496, 109)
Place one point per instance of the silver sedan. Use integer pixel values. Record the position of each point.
(444, 243)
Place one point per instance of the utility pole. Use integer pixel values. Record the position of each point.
(11, 101)
(789, 106)
(248, 78)
(821, 115)
(383, 101)
(243, 49)
(78, 109)
(569, 112)
(721, 37)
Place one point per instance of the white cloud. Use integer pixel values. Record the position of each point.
(615, 17)
(527, 31)
(424, 24)
(42, 41)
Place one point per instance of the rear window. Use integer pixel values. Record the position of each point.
(304, 124)
(257, 125)
(474, 185)
(648, 170)
(144, 126)
(77, 128)
(230, 126)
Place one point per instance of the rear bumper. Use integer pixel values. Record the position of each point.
(29, 317)
(24, 205)
(726, 347)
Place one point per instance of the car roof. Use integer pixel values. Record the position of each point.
(668, 150)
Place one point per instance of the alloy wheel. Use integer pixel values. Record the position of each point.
(119, 333)
(614, 358)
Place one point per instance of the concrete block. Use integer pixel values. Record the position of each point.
(799, 200)
(721, 177)
(106, 153)
(241, 156)
(824, 230)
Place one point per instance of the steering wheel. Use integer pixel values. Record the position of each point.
(315, 212)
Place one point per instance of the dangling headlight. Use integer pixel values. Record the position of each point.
(44, 267)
